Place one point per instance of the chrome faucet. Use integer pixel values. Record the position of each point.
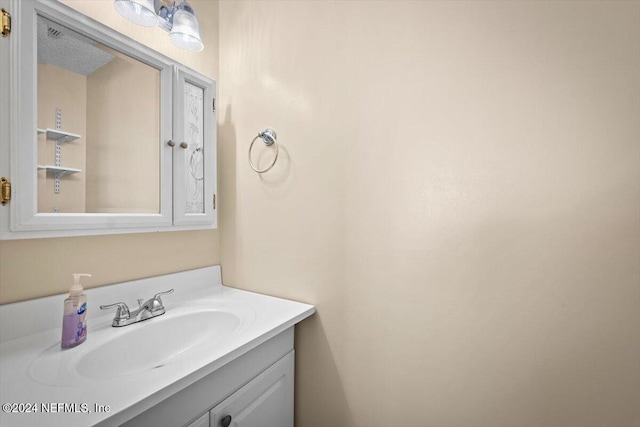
(150, 308)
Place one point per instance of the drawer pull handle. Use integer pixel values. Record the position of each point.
(226, 421)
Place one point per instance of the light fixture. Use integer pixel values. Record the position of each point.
(178, 19)
(140, 12)
(185, 32)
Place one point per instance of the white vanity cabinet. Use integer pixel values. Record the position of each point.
(254, 390)
(266, 401)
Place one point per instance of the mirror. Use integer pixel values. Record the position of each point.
(98, 120)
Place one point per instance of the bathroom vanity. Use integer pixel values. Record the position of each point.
(100, 134)
(218, 357)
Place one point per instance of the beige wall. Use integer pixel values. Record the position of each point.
(33, 268)
(458, 192)
(123, 124)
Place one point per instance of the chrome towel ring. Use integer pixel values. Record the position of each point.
(268, 136)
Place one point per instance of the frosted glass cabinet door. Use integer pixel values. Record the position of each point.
(266, 401)
(194, 157)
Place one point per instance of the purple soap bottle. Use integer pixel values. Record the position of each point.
(74, 323)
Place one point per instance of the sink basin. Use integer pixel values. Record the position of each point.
(154, 343)
(111, 352)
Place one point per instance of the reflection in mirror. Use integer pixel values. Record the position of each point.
(98, 127)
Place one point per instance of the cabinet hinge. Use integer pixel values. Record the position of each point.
(5, 190)
(214, 202)
(6, 23)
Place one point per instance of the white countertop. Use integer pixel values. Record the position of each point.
(23, 381)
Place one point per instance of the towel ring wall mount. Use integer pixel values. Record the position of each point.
(268, 136)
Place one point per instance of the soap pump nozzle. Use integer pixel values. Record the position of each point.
(76, 289)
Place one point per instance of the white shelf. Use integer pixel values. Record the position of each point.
(59, 170)
(59, 135)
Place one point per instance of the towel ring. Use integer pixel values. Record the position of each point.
(268, 136)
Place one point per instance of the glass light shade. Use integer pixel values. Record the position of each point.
(140, 12)
(185, 32)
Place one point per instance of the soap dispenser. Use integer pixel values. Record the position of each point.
(74, 323)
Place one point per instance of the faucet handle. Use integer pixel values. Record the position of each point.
(121, 314)
(157, 296)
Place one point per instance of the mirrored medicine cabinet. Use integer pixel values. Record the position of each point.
(104, 135)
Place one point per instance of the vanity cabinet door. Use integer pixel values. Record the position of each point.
(194, 152)
(266, 401)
